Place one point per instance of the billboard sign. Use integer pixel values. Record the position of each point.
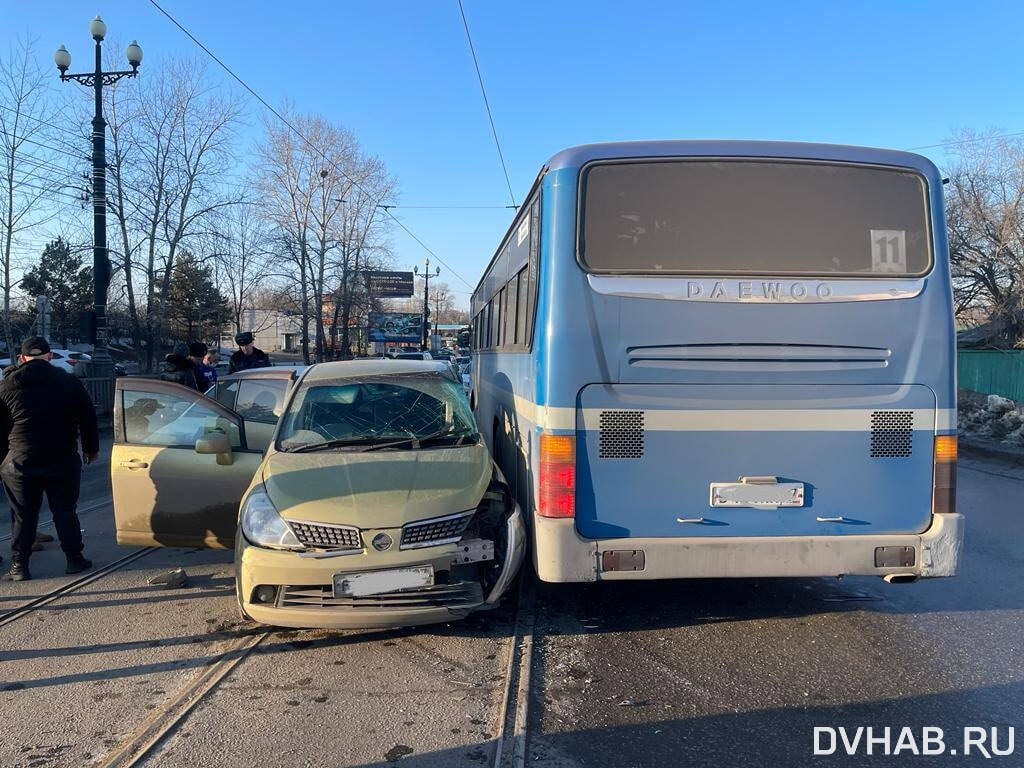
(390, 284)
(396, 327)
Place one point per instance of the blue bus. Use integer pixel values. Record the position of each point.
(725, 359)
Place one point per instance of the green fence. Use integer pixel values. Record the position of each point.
(992, 371)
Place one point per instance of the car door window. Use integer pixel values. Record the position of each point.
(261, 400)
(225, 394)
(159, 418)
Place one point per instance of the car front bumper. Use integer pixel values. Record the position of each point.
(562, 555)
(304, 585)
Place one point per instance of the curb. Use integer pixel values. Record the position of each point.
(988, 450)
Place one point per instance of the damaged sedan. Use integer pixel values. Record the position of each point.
(374, 503)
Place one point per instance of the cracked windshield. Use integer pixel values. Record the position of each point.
(376, 410)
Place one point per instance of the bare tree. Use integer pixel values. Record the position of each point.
(362, 243)
(321, 192)
(242, 257)
(171, 147)
(985, 213)
(32, 171)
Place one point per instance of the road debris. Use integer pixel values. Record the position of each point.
(174, 579)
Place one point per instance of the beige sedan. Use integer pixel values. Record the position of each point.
(370, 500)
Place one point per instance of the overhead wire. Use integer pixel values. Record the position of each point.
(309, 143)
(961, 142)
(55, 190)
(62, 128)
(454, 207)
(487, 104)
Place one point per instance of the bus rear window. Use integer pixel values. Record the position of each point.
(754, 218)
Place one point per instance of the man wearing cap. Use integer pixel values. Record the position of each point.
(44, 412)
(248, 356)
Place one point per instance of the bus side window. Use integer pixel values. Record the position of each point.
(502, 313)
(490, 323)
(522, 282)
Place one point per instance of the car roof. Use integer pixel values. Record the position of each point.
(373, 366)
(274, 372)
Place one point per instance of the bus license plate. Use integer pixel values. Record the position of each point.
(761, 495)
(365, 583)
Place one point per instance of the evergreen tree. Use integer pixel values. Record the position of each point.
(196, 309)
(61, 277)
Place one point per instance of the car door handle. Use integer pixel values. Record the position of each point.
(135, 464)
(839, 519)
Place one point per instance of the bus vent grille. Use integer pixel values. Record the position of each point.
(892, 434)
(622, 435)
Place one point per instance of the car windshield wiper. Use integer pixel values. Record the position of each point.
(336, 443)
(418, 442)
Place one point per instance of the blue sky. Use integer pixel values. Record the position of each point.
(400, 75)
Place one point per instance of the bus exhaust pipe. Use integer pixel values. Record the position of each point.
(901, 578)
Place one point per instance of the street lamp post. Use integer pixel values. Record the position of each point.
(426, 300)
(103, 366)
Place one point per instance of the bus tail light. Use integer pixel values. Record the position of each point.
(557, 483)
(944, 475)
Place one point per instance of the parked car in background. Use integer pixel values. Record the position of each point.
(466, 374)
(374, 504)
(60, 360)
(413, 356)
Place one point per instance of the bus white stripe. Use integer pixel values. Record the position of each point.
(727, 420)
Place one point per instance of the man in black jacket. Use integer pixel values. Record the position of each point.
(179, 368)
(43, 412)
(248, 355)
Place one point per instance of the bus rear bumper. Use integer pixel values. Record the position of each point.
(562, 555)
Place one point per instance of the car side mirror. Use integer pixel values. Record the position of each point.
(216, 443)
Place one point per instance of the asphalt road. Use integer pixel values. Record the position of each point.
(661, 674)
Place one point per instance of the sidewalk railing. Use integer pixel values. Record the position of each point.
(101, 390)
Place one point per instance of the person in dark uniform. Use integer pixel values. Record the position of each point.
(44, 411)
(248, 356)
(179, 368)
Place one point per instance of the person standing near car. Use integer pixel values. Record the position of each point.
(197, 353)
(44, 412)
(209, 367)
(248, 355)
(179, 368)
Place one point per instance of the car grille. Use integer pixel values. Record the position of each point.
(327, 536)
(437, 530)
(463, 594)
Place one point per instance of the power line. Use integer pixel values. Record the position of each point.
(487, 104)
(309, 143)
(37, 164)
(53, 190)
(454, 207)
(45, 146)
(40, 120)
(961, 142)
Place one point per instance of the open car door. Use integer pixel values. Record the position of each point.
(179, 466)
(258, 396)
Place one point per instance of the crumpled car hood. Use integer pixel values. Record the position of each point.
(380, 489)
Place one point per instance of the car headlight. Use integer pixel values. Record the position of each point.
(262, 526)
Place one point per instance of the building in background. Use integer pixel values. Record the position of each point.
(274, 330)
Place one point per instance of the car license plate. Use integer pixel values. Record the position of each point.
(758, 495)
(365, 583)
